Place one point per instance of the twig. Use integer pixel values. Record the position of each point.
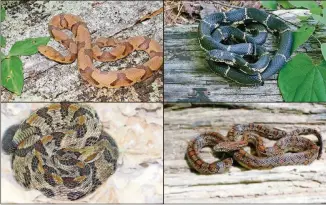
(150, 15)
(179, 12)
(228, 5)
(170, 7)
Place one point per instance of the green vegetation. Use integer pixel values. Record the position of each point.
(300, 80)
(12, 76)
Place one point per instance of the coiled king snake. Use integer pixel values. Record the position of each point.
(227, 47)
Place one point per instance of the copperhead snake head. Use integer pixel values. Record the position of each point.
(82, 48)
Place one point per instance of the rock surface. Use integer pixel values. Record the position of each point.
(138, 130)
(284, 184)
(46, 80)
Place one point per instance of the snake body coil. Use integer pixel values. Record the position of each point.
(83, 49)
(62, 151)
(290, 149)
(215, 32)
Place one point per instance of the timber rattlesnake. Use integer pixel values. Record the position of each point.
(62, 151)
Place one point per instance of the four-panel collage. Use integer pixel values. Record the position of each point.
(163, 101)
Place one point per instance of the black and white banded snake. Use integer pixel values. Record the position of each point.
(215, 32)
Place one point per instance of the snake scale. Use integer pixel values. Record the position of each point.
(289, 149)
(62, 151)
(82, 48)
(228, 45)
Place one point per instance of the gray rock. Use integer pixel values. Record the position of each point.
(46, 80)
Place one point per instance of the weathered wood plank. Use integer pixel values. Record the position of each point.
(182, 122)
(187, 76)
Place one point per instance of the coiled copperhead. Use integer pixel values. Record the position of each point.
(226, 45)
(239, 136)
(83, 49)
(62, 151)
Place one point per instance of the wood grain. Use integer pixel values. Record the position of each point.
(282, 184)
(187, 77)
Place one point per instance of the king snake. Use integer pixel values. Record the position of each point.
(83, 49)
(228, 47)
(62, 151)
(290, 149)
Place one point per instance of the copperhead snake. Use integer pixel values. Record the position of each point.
(62, 151)
(289, 149)
(82, 48)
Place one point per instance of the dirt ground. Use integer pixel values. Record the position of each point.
(188, 12)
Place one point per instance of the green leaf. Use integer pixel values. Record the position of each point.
(302, 35)
(323, 50)
(305, 4)
(2, 14)
(317, 10)
(270, 4)
(285, 4)
(323, 4)
(301, 81)
(2, 41)
(28, 46)
(319, 18)
(12, 76)
(2, 56)
(303, 18)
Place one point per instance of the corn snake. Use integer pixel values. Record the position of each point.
(239, 136)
